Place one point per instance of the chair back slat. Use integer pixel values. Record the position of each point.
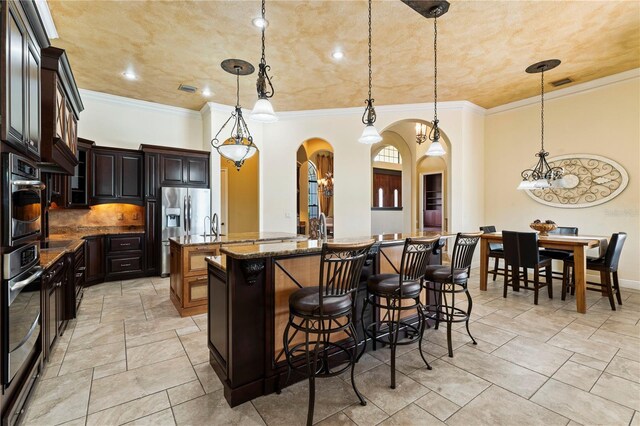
(463, 250)
(340, 268)
(614, 250)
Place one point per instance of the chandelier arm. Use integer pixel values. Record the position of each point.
(220, 131)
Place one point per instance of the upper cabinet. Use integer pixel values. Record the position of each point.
(61, 107)
(20, 96)
(178, 167)
(117, 176)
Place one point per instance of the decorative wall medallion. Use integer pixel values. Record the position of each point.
(590, 179)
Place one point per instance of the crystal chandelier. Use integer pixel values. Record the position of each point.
(263, 110)
(542, 175)
(239, 146)
(325, 184)
(369, 135)
(435, 148)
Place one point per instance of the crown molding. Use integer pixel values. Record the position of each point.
(567, 91)
(136, 103)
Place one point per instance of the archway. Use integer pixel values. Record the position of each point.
(315, 186)
(240, 196)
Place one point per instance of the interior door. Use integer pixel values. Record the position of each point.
(224, 201)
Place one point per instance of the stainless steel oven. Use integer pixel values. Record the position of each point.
(23, 201)
(21, 286)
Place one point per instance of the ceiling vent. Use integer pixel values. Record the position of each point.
(561, 82)
(187, 88)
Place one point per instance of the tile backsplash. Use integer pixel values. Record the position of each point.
(103, 215)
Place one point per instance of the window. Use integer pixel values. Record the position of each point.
(387, 189)
(313, 193)
(389, 154)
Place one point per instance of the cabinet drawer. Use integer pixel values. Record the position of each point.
(124, 243)
(124, 264)
(195, 291)
(194, 259)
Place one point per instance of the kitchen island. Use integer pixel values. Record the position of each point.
(249, 288)
(188, 269)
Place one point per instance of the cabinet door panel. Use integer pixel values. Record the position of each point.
(94, 259)
(104, 175)
(131, 176)
(150, 223)
(172, 170)
(33, 67)
(151, 173)
(197, 171)
(16, 84)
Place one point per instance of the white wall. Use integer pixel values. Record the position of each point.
(596, 119)
(120, 122)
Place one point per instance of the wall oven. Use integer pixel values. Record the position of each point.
(23, 203)
(21, 286)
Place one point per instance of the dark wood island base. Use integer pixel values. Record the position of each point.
(249, 288)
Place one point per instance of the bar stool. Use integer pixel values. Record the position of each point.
(400, 293)
(323, 311)
(495, 251)
(607, 265)
(521, 251)
(448, 281)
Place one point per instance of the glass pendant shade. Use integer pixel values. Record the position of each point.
(525, 185)
(370, 135)
(541, 184)
(436, 149)
(263, 111)
(237, 151)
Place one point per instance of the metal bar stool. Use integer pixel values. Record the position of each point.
(323, 311)
(496, 252)
(445, 282)
(400, 293)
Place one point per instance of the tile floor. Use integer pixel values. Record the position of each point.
(130, 359)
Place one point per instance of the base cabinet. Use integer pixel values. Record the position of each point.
(54, 284)
(94, 255)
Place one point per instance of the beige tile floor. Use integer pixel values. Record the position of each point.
(130, 359)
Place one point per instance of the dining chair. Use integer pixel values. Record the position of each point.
(607, 265)
(521, 252)
(321, 312)
(496, 252)
(556, 254)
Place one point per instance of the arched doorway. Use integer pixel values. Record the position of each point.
(315, 186)
(240, 196)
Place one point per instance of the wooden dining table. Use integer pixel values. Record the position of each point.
(578, 244)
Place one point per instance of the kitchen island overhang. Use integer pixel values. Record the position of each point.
(249, 288)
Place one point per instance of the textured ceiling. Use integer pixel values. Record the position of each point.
(484, 47)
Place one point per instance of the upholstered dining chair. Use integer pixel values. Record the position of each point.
(496, 252)
(521, 252)
(556, 254)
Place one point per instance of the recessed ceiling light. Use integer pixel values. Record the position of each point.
(260, 22)
(129, 75)
(206, 92)
(337, 54)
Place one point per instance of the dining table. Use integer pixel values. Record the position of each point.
(577, 244)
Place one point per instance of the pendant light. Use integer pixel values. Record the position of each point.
(542, 176)
(263, 110)
(435, 148)
(239, 146)
(369, 135)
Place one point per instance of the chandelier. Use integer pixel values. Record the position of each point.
(421, 133)
(239, 146)
(263, 110)
(436, 149)
(369, 135)
(542, 175)
(325, 185)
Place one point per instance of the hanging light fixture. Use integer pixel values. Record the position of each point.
(542, 175)
(263, 110)
(239, 146)
(369, 135)
(436, 10)
(421, 133)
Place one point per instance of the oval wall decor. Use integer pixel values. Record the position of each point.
(591, 180)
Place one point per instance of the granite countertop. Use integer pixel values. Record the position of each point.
(93, 231)
(253, 251)
(218, 261)
(242, 237)
(49, 256)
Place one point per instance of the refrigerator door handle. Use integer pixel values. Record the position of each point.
(184, 213)
(189, 214)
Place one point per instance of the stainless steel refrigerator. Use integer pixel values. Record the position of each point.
(183, 213)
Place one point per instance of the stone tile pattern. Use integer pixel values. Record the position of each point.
(129, 358)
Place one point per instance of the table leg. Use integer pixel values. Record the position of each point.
(580, 268)
(484, 263)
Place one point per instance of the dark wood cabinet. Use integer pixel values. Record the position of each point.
(152, 234)
(54, 285)
(197, 171)
(218, 311)
(184, 170)
(23, 37)
(75, 282)
(61, 107)
(94, 260)
(124, 256)
(117, 176)
(171, 170)
(77, 188)
(151, 176)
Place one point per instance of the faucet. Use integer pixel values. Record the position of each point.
(322, 226)
(205, 225)
(215, 226)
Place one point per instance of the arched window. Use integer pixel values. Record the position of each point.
(389, 154)
(313, 192)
